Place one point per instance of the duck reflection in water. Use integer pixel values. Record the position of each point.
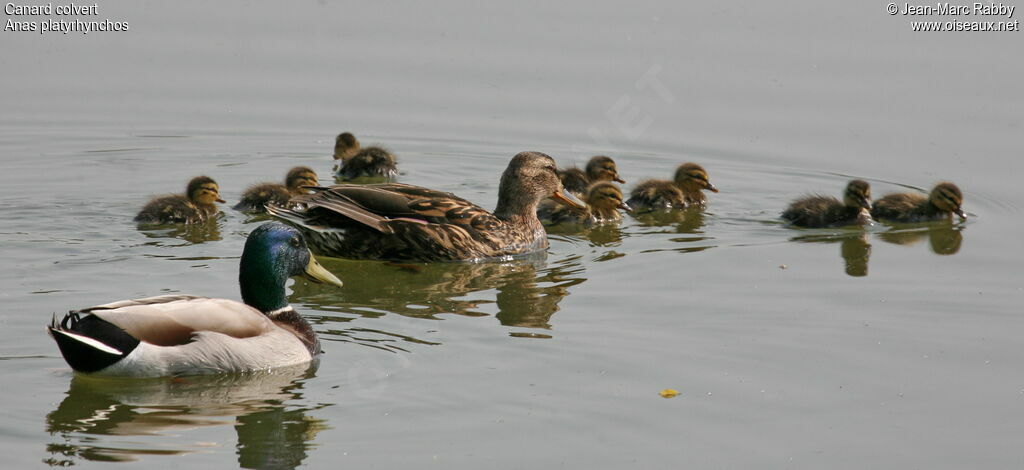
(944, 238)
(194, 234)
(524, 292)
(92, 421)
(689, 220)
(853, 247)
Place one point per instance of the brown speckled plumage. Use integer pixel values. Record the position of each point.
(827, 211)
(685, 190)
(256, 197)
(193, 207)
(943, 200)
(403, 222)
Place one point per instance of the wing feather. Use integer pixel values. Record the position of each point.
(174, 319)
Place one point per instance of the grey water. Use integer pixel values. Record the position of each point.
(884, 347)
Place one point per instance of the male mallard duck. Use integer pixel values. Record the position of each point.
(256, 198)
(403, 222)
(193, 207)
(599, 168)
(684, 191)
(355, 161)
(827, 211)
(945, 199)
(604, 199)
(184, 334)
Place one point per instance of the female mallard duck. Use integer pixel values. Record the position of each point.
(945, 199)
(604, 199)
(684, 191)
(184, 335)
(193, 207)
(827, 211)
(355, 161)
(256, 198)
(599, 168)
(403, 222)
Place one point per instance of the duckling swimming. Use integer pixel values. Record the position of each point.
(944, 199)
(193, 207)
(345, 146)
(599, 168)
(355, 161)
(686, 190)
(827, 211)
(256, 198)
(184, 334)
(604, 199)
(393, 221)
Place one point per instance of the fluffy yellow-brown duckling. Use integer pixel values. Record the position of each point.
(827, 211)
(604, 199)
(355, 161)
(256, 198)
(944, 199)
(193, 207)
(685, 190)
(599, 168)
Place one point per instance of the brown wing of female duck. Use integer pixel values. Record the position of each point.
(403, 222)
(422, 223)
(379, 205)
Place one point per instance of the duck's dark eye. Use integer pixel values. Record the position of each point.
(294, 241)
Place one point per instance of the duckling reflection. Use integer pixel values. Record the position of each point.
(854, 248)
(194, 234)
(425, 290)
(943, 238)
(270, 433)
(688, 222)
(602, 235)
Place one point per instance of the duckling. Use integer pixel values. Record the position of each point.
(684, 191)
(402, 222)
(944, 199)
(603, 200)
(193, 207)
(599, 168)
(185, 335)
(827, 211)
(345, 146)
(256, 198)
(355, 161)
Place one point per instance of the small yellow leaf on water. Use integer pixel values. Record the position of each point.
(669, 393)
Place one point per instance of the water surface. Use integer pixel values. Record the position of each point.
(891, 347)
